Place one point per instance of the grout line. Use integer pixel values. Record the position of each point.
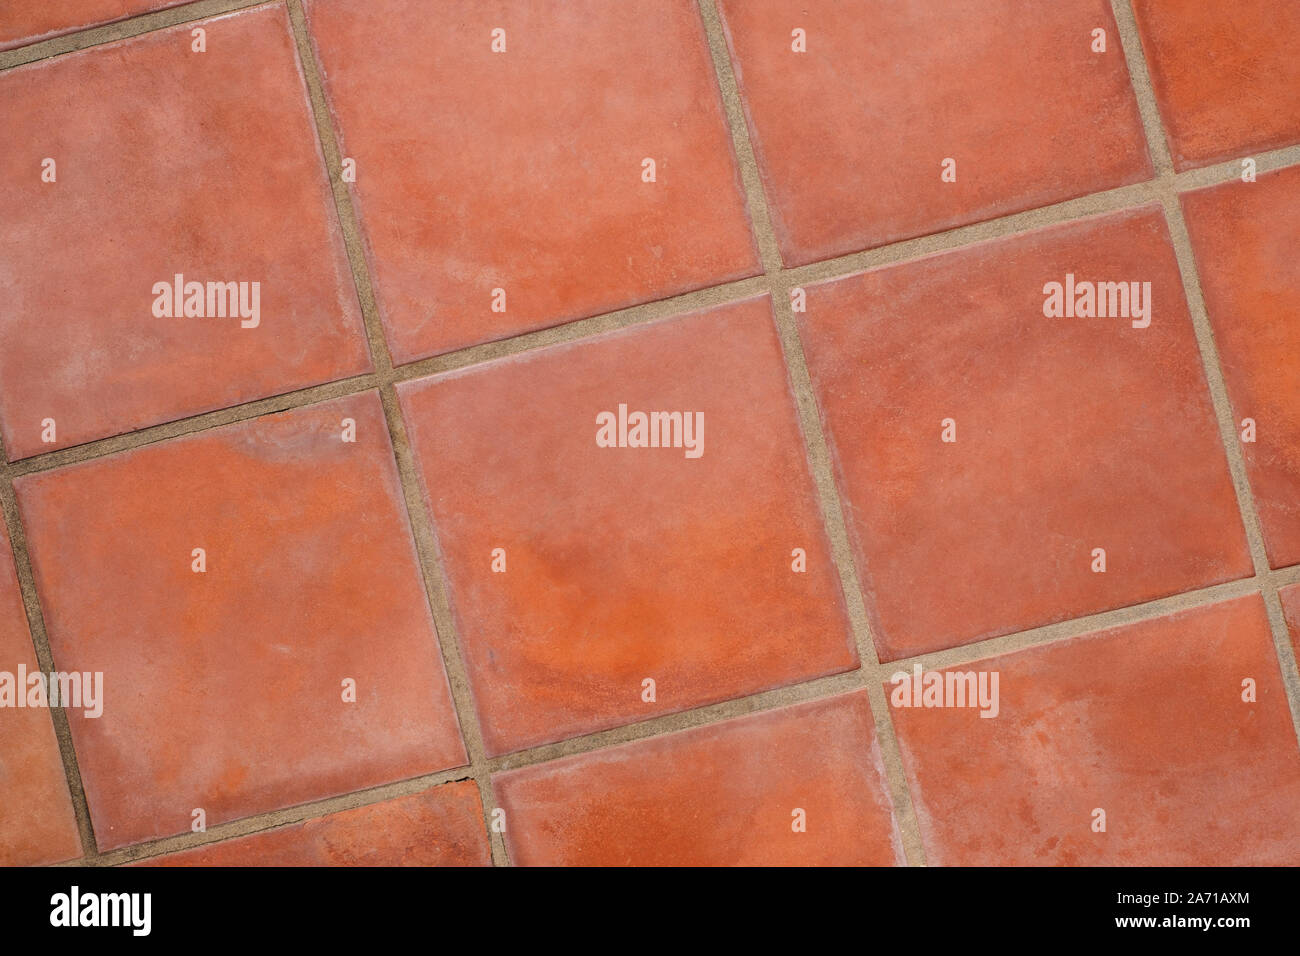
(103, 447)
(817, 457)
(1182, 242)
(332, 157)
(276, 819)
(417, 515)
(45, 659)
(777, 281)
(574, 330)
(1064, 630)
(1140, 79)
(1236, 460)
(121, 30)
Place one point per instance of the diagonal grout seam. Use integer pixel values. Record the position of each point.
(1158, 143)
(44, 657)
(122, 29)
(777, 281)
(418, 518)
(869, 673)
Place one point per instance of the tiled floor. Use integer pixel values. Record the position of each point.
(642, 432)
(1226, 75)
(852, 134)
(1069, 436)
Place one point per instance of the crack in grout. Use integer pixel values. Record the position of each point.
(776, 281)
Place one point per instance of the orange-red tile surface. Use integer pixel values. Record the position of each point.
(522, 170)
(627, 564)
(36, 820)
(166, 162)
(438, 827)
(1145, 722)
(1246, 238)
(851, 136)
(27, 21)
(720, 795)
(224, 689)
(1291, 609)
(1226, 75)
(1072, 434)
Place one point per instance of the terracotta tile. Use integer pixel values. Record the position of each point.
(719, 795)
(1072, 434)
(438, 827)
(851, 135)
(625, 564)
(1146, 722)
(167, 162)
(1245, 237)
(27, 21)
(1291, 609)
(37, 824)
(522, 170)
(224, 689)
(1225, 75)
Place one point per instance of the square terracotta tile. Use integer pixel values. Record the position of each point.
(1071, 435)
(627, 564)
(853, 134)
(225, 688)
(522, 170)
(1246, 238)
(1225, 75)
(27, 21)
(37, 824)
(438, 827)
(167, 162)
(728, 794)
(1148, 723)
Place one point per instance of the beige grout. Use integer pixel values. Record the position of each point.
(101, 448)
(121, 30)
(276, 819)
(1182, 242)
(777, 281)
(1140, 78)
